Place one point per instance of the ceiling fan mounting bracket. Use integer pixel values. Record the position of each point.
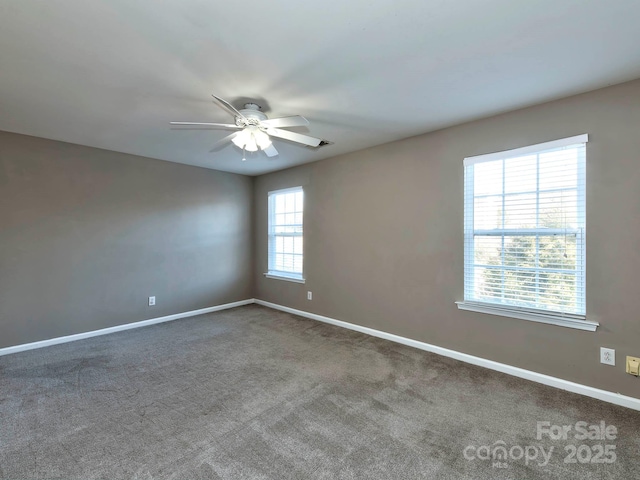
(252, 106)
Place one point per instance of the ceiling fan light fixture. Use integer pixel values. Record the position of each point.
(262, 139)
(240, 140)
(251, 145)
(251, 139)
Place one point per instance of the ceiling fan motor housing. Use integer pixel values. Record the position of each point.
(252, 112)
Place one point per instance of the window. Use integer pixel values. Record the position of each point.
(524, 233)
(286, 209)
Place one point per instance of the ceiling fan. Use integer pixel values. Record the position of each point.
(255, 129)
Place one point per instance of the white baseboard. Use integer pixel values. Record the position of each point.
(120, 328)
(604, 395)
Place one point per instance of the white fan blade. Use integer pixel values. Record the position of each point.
(294, 137)
(294, 121)
(204, 124)
(229, 107)
(222, 141)
(271, 151)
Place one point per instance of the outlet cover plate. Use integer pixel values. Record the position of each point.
(607, 356)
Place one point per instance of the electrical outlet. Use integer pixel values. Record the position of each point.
(607, 356)
(152, 301)
(309, 296)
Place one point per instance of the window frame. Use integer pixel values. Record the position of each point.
(571, 320)
(271, 237)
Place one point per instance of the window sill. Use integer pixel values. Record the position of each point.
(559, 320)
(287, 278)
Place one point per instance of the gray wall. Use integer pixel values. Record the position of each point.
(86, 235)
(384, 238)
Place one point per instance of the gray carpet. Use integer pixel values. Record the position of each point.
(253, 393)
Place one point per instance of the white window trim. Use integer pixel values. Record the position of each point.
(552, 318)
(278, 274)
(519, 152)
(289, 277)
(571, 321)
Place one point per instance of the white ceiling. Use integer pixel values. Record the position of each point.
(113, 73)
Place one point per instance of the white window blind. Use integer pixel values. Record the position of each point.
(286, 208)
(524, 229)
